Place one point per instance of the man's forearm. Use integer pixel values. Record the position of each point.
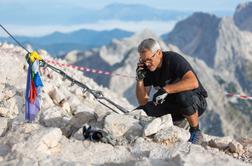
(183, 85)
(188, 82)
(141, 94)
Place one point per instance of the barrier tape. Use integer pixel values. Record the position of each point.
(244, 97)
(96, 71)
(86, 69)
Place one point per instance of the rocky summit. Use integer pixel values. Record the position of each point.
(243, 16)
(74, 128)
(224, 116)
(56, 136)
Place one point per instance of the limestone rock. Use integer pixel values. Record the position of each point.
(171, 135)
(11, 107)
(51, 137)
(4, 111)
(78, 135)
(3, 126)
(20, 161)
(4, 150)
(40, 143)
(188, 153)
(167, 136)
(152, 127)
(220, 143)
(118, 125)
(236, 147)
(66, 107)
(142, 147)
(82, 115)
(56, 95)
(73, 101)
(100, 112)
(52, 117)
(138, 113)
(166, 121)
(145, 120)
(46, 101)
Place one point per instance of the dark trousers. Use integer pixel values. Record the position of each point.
(178, 105)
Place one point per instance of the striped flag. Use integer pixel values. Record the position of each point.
(33, 90)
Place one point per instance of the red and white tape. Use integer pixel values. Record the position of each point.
(86, 69)
(97, 71)
(244, 97)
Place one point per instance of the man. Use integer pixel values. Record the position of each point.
(179, 91)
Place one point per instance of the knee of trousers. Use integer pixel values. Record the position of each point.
(186, 102)
(188, 111)
(185, 99)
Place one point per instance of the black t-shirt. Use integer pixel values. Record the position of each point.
(173, 68)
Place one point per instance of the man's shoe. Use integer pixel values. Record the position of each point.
(182, 124)
(196, 137)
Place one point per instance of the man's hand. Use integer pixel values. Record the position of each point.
(140, 72)
(159, 96)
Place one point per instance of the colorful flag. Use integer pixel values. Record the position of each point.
(33, 90)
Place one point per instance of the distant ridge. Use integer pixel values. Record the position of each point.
(58, 43)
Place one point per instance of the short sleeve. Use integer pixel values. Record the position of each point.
(179, 66)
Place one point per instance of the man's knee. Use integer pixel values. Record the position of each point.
(189, 111)
(184, 99)
(187, 103)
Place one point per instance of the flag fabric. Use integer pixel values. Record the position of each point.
(33, 90)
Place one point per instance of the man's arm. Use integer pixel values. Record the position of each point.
(188, 82)
(142, 92)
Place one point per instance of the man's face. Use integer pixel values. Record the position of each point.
(151, 60)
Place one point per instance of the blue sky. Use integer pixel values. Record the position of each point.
(168, 4)
(13, 9)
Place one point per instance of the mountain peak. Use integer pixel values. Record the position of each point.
(243, 16)
(201, 17)
(191, 33)
(244, 6)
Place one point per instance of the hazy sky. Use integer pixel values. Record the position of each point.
(7, 7)
(168, 4)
